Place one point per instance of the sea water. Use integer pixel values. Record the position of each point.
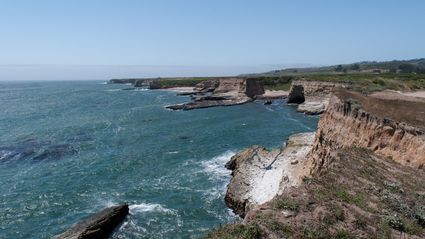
(70, 149)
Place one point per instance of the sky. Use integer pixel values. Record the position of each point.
(141, 38)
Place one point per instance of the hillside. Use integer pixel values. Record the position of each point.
(395, 66)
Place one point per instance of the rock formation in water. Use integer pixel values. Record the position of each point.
(148, 84)
(231, 91)
(123, 81)
(98, 226)
(296, 94)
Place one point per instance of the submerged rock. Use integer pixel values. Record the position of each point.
(98, 226)
(268, 102)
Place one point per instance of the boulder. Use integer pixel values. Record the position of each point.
(99, 225)
(268, 102)
(312, 107)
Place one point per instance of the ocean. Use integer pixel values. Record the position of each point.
(70, 149)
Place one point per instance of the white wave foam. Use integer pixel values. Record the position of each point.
(141, 89)
(215, 166)
(172, 152)
(113, 90)
(149, 207)
(270, 109)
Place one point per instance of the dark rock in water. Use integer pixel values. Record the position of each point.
(254, 87)
(148, 84)
(268, 102)
(183, 137)
(122, 81)
(55, 152)
(19, 151)
(296, 94)
(38, 151)
(98, 226)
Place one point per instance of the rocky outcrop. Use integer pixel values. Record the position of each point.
(122, 81)
(254, 87)
(152, 84)
(259, 174)
(232, 91)
(206, 86)
(368, 152)
(296, 94)
(98, 226)
(312, 96)
(313, 107)
(273, 95)
(390, 128)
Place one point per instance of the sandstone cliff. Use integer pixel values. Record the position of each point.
(363, 177)
(389, 127)
(312, 96)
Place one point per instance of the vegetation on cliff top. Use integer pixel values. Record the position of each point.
(360, 196)
(364, 77)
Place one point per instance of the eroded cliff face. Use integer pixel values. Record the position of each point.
(317, 88)
(390, 128)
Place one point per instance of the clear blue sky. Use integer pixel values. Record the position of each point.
(210, 33)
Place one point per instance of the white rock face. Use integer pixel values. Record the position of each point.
(259, 175)
(312, 107)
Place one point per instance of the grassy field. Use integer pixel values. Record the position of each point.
(182, 82)
(361, 82)
(367, 83)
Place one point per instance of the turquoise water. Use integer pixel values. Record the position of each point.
(69, 149)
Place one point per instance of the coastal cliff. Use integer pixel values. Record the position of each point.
(391, 128)
(362, 177)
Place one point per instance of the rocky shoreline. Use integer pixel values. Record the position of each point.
(270, 188)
